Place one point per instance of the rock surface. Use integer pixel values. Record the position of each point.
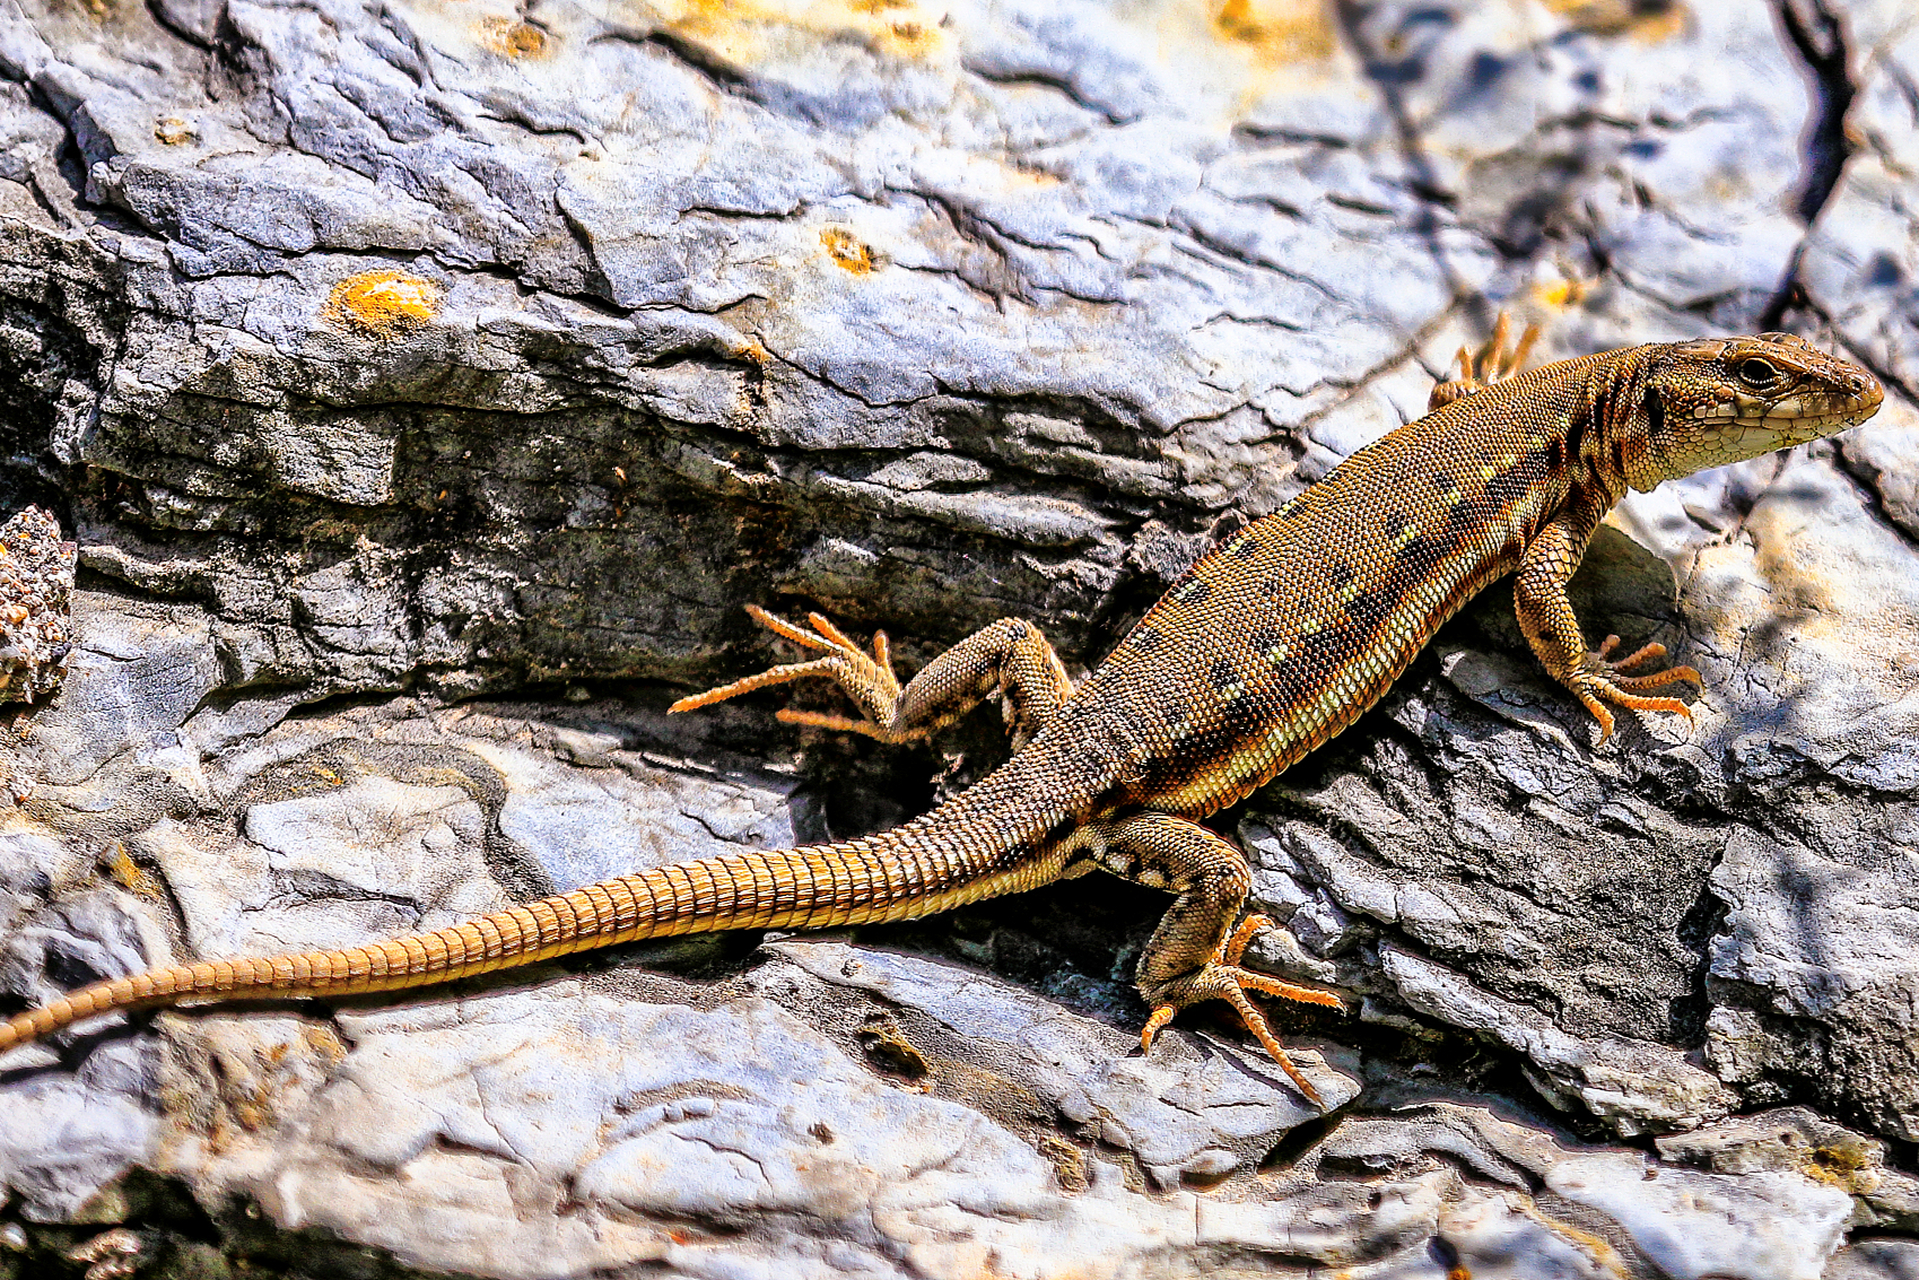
(427, 385)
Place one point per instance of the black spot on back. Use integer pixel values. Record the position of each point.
(1423, 554)
(1222, 674)
(1146, 639)
(1192, 591)
(1367, 608)
(1508, 486)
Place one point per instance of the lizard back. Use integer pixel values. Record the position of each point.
(1292, 627)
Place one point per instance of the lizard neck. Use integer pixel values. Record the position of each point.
(1609, 429)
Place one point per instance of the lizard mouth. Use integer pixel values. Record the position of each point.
(1782, 430)
(1803, 414)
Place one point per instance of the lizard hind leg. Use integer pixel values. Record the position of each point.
(1194, 954)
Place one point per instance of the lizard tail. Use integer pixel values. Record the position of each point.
(896, 875)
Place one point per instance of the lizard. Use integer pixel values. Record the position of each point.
(1270, 644)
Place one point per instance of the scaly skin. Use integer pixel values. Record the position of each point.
(1266, 648)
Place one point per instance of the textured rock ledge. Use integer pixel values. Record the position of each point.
(383, 357)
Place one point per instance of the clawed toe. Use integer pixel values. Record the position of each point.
(1230, 983)
(1495, 361)
(1604, 680)
(867, 679)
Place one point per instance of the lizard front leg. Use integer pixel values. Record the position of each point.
(1552, 628)
(1194, 954)
(1011, 657)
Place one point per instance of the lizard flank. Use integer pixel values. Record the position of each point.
(1269, 646)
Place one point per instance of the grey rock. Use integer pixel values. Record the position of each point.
(1179, 1111)
(1798, 1140)
(386, 358)
(66, 1136)
(1766, 1226)
(1503, 1236)
(66, 1139)
(453, 1129)
(1875, 1260)
(1634, 1085)
(1806, 938)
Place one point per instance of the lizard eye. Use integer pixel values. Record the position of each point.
(1755, 372)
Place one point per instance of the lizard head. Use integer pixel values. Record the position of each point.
(1723, 400)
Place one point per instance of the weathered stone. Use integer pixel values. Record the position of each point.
(1761, 1226)
(1875, 1260)
(1505, 1237)
(1796, 1139)
(1179, 1111)
(379, 358)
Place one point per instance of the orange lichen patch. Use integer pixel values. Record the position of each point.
(1596, 1247)
(851, 253)
(1648, 21)
(512, 38)
(126, 873)
(1848, 1167)
(173, 131)
(1277, 30)
(1559, 294)
(747, 32)
(325, 1042)
(383, 301)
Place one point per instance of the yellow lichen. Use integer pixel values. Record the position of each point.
(1647, 21)
(1848, 1167)
(1559, 294)
(173, 131)
(126, 873)
(1278, 30)
(743, 33)
(383, 301)
(513, 38)
(851, 253)
(324, 1042)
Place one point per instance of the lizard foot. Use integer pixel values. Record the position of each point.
(1494, 362)
(1604, 679)
(868, 680)
(1224, 979)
